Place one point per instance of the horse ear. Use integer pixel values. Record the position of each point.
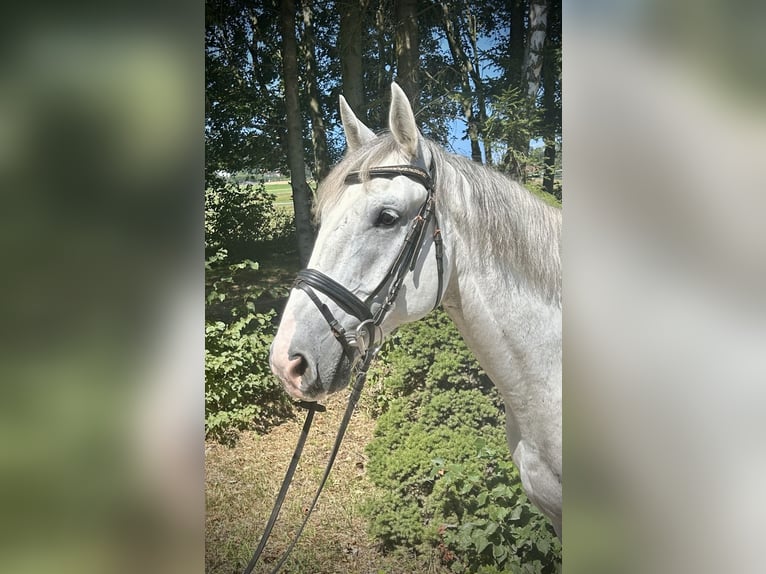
(357, 134)
(401, 122)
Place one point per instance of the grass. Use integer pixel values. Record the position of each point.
(242, 482)
(535, 185)
(283, 192)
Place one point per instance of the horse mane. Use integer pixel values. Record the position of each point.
(495, 214)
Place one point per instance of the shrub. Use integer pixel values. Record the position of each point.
(440, 456)
(238, 216)
(428, 353)
(240, 391)
(487, 521)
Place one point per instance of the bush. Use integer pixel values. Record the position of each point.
(440, 456)
(238, 216)
(426, 354)
(487, 522)
(240, 390)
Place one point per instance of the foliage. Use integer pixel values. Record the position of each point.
(426, 354)
(244, 109)
(440, 456)
(408, 437)
(245, 113)
(237, 216)
(513, 120)
(537, 189)
(487, 517)
(240, 391)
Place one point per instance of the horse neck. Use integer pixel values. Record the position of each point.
(512, 325)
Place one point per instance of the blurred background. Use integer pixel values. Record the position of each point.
(101, 227)
(664, 285)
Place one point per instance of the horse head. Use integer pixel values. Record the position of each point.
(377, 261)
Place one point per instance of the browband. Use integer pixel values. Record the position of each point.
(421, 175)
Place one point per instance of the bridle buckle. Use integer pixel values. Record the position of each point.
(367, 335)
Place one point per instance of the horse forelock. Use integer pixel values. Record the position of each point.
(360, 160)
(496, 215)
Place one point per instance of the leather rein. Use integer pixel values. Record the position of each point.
(367, 337)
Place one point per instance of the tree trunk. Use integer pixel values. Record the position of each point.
(301, 191)
(318, 135)
(463, 65)
(533, 55)
(407, 49)
(550, 167)
(378, 107)
(516, 44)
(478, 82)
(531, 72)
(350, 40)
(515, 168)
(549, 125)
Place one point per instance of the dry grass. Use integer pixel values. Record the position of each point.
(242, 483)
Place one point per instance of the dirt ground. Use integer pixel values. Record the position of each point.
(242, 483)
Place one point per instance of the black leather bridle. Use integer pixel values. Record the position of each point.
(368, 335)
(368, 332)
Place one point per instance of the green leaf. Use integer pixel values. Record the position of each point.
(499, 553)
(544, 545)
(479, 540)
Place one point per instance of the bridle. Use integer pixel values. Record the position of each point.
(368, 331)
(367, 336)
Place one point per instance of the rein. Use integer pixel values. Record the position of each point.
(367, 337)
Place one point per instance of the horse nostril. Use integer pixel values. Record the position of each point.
(298, 365)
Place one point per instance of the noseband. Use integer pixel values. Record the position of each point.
(368, 333)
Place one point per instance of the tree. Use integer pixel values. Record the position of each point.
(481, 99)
(318, 134)
(465, 70)
(406, 40)
(301, 191)
(242, 119)
(533, 54)
(551, 124)
(350, 41)
(377, 62)
(478, 61)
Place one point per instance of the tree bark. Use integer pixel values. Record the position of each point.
(516, 44)
(533, 54)
(531, 71)
(378, 107)
(318, 134)
(350, 41)
(301, 191)
(478, 82)
(407, 49)
(549, 125)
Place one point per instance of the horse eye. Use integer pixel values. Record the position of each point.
(387, 218)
